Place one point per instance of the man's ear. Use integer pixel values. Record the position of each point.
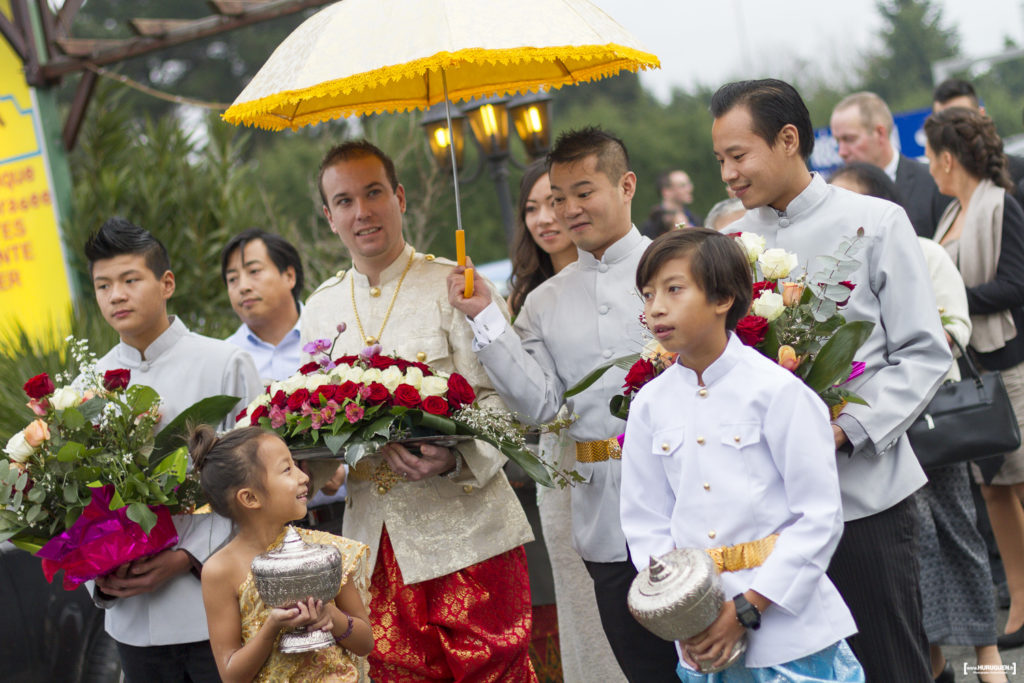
(789, 138)
(628, 185)
(167, 285)
(289, 276)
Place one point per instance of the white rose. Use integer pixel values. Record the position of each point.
(391, 378)
(353, 374)
(294, 382)
(769, 306)
(65, 397)
(752, 244)
(315, 380)
(777, 263)
(18, 449)
(275, 387)
(261, 400)
(414, 377)
(434, 386)
(372, 375)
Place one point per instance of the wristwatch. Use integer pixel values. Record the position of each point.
(747, 614)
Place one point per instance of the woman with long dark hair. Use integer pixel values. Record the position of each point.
(983, 231)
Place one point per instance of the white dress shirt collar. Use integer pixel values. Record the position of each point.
(814, 193)
(132, 357)
(718, 369)
(618, 251)
(890, 168)
(392, 272)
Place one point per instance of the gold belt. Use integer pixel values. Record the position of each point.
(598, 451)
(382, 475)
(732, 558)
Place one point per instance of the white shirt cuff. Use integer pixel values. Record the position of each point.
(487, 326)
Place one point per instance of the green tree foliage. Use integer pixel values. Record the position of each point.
(913, 36)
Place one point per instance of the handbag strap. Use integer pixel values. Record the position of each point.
(971, 367)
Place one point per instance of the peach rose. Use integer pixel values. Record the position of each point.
(36, 433)
(792, 293)
(788, 358)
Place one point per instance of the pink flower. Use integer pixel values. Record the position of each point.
(38, 406)
(857, 369)
(353, 413)
(277, 417)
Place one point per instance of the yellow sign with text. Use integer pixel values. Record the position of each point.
(34, 291)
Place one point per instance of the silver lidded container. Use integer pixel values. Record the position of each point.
(679, 596)
(293, 572)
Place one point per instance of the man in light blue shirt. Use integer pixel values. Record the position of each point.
(264, 277)
(263, 274)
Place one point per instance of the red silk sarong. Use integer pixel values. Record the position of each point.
(472, 625)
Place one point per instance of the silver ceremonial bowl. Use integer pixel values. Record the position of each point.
(293, 572)
(678, 596)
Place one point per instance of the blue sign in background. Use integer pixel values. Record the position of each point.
(909, 141)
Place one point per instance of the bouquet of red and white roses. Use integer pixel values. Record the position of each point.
(798, 323)
(89, 485)
(355, 404)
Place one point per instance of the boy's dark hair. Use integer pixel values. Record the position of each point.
(773, 104)
(118, 236)
(576, 145)
(954, 87)
(280, 250)
(717, 264)
(355, 149)
(226, 464)
(875, 181)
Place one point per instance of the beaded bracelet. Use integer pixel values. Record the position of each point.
(347, 632)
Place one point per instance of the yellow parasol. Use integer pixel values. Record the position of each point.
(359, 57)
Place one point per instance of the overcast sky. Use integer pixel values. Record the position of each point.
(713, 41)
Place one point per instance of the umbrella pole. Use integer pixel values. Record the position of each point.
(460, 235)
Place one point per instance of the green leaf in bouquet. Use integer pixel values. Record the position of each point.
(335, 441)
(36, 495)
(9, 474)
(434, 422)
(356, 452)
(88, 475)
(530, 463)
(625, 362)
(71, 516)
(116, 501)
(34, 513)
(71, 492)
(92, 408)
(211, 410)
(619, 406)
(141, 398)
(21, 482)
(381, 427)
(175, 464)
(832, 365)
(33, 545)
(70, 452)
(824, 309)
(8, 533)
(142, 515)
(72, 418)
(17, 499)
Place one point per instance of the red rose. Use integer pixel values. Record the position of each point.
(376, 393)
(297, 398)
(435, 405)
(324, 393)
(406, 395)
(346, 390)
(850, 286)
(260, 411)
(640, 374)
(241, 415)
(346, 360)
(424, 368)
(280, 399)
(381, 362)
(760, 287)
(309, 368)
(752, 329)
(39, 386)
(459, 392)
(116, 379)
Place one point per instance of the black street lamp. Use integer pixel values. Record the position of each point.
(489, 120)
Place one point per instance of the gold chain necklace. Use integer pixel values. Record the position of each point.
(370, 341)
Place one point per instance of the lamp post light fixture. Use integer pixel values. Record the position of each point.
(489, 121)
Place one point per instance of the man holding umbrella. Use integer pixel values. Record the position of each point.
(450, 594)
(584, 316)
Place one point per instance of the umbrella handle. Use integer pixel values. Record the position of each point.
(460, 258)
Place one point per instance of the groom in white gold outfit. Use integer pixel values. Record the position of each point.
(450, 591)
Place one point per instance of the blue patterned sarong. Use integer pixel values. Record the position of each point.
(835, 663)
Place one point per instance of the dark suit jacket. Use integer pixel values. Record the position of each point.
(921, 198)
(1016, 165)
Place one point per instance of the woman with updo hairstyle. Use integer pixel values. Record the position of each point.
(249, 476)
(982, 229)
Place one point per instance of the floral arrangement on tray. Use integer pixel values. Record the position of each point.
(796, 323)
(354, 405)
(89, 485)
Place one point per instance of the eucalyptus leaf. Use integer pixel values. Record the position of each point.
(34, 513)
(17, 499)
(36, 495)
(21, 482)
(142, 515)
(70, 493)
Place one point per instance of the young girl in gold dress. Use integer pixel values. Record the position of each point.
(249, 476)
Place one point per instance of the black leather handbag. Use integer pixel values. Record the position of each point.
(966, 420)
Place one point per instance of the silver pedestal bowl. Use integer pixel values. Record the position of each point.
(678, 596)
(293, 572)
